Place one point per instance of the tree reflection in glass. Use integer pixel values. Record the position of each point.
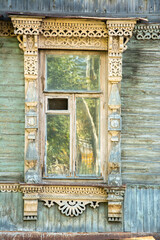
(68, 72)
(87, 136)
(58, 144)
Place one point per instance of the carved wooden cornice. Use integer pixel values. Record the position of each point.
(120, 28)
(147, 32)
(26, 25)
(73, 28)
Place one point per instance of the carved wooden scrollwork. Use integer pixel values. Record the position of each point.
(71, 208)
(147, 32)
(71, 34)
(70, 28)
(6, 29)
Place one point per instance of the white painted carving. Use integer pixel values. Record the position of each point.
(147, 32)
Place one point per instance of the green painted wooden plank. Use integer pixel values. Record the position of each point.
(141, 112)
(11, 110)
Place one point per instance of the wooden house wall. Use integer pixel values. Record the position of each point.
(11, 110)
(50, 219)
(140, 146)
(106, 8)
(141, 214)
(140, 94)
(141, 208)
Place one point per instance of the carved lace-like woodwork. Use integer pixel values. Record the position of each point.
(64, 190)
(9, 187)
(73, 28)
(6, 29)
(71, 208)
(120, 28)
(73, 34)
(72, 43)
(115, 67)
(26, 26)
(147, 32)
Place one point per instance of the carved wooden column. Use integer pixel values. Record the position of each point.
(27, 30)
(119, 33)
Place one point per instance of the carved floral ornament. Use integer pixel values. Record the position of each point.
(36, 33)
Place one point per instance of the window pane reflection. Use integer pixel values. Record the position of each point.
(58, 144)
(87, 136)
(73, 72)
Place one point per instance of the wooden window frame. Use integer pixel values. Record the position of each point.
(101, 94)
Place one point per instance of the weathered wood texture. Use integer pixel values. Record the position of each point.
(141, 209)
(51, 219)
(11, 110)
(140, 93)
(107, 8)
(141, 214)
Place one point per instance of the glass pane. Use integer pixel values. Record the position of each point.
(58, 145)
(73, 72)
(87, 136)
(57, 104)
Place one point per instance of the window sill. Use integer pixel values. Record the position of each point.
(71, 198)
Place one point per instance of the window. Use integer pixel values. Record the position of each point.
(73, 114)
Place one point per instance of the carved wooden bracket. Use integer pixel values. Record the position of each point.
(71, 200)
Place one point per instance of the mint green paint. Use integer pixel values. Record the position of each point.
(11, 110)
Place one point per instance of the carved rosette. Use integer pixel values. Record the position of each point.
(119, 31)
(27, 30)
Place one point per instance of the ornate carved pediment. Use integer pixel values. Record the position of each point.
(73, 34)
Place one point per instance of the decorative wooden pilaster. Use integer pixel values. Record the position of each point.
(27, 30)
(119, 33)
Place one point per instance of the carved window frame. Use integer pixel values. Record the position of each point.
(36, 33)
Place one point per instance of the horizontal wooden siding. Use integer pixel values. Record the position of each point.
(140, 95)
(107, 8)
(11, 110)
